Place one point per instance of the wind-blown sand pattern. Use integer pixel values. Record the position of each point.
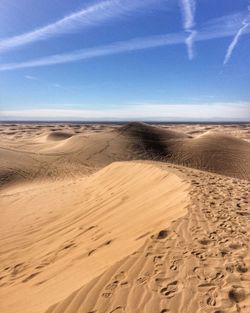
(132, 218)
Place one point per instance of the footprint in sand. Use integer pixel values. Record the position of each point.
(158, 259)
(211, 301)
(112, 286)
(199, 254)
(175, 265)
(30, 277)
(106, 295)
(143, 279)
(16, 269)
(237, 294)
(118, 309)
(118, 281)
(170, 290)
(216, 277)
(124, 284)
(241, 268)
(204, 242)
(120, 276)
(162, 234)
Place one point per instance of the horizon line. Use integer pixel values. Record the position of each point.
(237, 121)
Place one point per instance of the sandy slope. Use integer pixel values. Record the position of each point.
(56, 237)
(200, 264)
(81, 232)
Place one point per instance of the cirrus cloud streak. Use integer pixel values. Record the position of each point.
(90, 16)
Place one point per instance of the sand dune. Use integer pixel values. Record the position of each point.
(67, 155)
(211, 151)
(216, 152)
(133, 218)
(48, 238)
(200, 264)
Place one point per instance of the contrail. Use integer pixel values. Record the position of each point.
(188, 10)
(213, 30)
(189, 43)
(135, 44)
(90, 16)
(235, 41)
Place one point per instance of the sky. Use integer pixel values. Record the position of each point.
(125, 60)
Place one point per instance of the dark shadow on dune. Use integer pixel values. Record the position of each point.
(150, 141)
(56, 136)
(212, 151)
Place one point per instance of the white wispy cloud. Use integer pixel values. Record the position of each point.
(188, 8)
(29, 77)
(233, 44)
(188, 11)
(43, 82)
(57, 85)
(90, 16)
(223, 111)
(115, 48)
(219, 28)
(190, 44)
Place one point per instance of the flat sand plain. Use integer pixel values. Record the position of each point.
(124, 218)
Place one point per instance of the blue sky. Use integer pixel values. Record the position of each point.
(166, 60)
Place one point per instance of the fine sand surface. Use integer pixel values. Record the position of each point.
(124, 218)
